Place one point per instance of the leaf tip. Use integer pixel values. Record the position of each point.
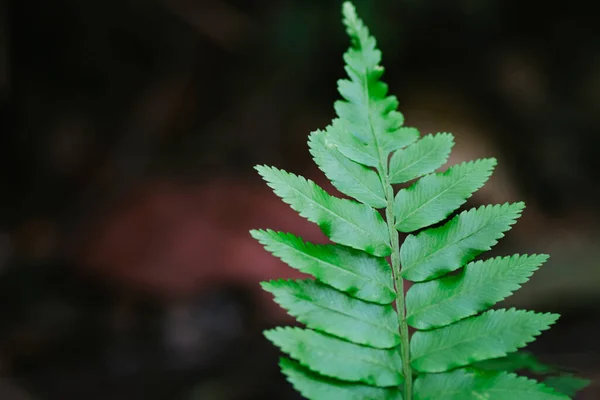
(348, 11)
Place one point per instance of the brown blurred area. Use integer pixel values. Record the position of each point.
(129, 133)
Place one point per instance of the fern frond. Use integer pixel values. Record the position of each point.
(356, 342)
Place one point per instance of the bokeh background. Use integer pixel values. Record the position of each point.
(129, 133)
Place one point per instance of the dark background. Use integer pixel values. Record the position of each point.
(129, 133)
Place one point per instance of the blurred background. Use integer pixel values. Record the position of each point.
(129, 133)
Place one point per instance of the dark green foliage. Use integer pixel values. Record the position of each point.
(356, 344)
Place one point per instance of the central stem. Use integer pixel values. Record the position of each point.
(383, 170)
(399, 285)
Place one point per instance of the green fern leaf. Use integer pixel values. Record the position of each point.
(343, 221)
(339, 359)
(356, 273)
(328, 310)
(437, 251)
(420, 158)
(432, 198)
(356, 344)
(464, 384)
(492, 334)
(318, 387)
(479, 285)
(347, 176)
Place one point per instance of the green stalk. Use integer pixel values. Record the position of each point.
(399, 285)
(383, 171)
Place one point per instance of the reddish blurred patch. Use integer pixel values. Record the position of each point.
(171, 241)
